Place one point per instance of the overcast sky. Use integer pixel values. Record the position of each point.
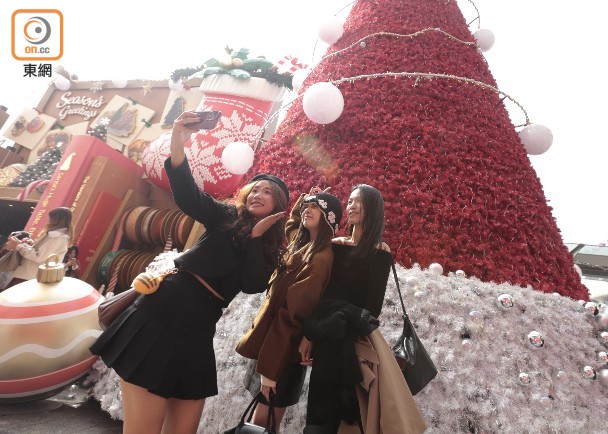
(547, 56)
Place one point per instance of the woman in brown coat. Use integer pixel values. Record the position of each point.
(295, 288)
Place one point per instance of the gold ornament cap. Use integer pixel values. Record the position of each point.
(51, 271)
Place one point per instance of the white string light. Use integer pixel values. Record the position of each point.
(433, 75)
(398, 35)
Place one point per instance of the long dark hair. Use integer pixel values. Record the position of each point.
(273, 239)
(302, 238)
(373, 223)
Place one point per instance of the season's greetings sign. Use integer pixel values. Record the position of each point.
(81, 105)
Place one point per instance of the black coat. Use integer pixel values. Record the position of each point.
(334, 327)
(215, 257)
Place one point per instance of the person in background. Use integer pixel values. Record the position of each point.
(161, 346)
(295, 288)
(71, 263)
(5, 277)
(342, 340)
(54, 240)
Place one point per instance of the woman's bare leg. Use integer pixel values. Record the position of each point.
(183, 416)
(144, 412)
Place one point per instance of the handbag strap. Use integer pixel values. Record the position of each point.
(271, 418)
(399, 289)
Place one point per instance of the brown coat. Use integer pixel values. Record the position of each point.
(294, 292)
(385, 401)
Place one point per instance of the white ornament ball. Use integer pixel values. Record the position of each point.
(536, 138)
(589, 373)
(323, 103)
(524, 379)
(120, 83)
(176, 86)
(62, 83)
(467, 344)
(474, 321)
(578, 270)
(436, 268)
(298, 79)
(546, 402)
(602, 319)
(237, 158)
(603, 377)
(460, 273)
(562, 376)
(535, 340)
(604, 338)
(419, 295)
(412, 282)
(505, 301)
(603, 356)
(581, 302)
(484, 38)
(331, 30)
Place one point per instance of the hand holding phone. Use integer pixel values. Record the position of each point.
(208, 120)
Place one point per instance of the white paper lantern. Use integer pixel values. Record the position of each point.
(331, 30)
(298, 79)
(460, 273)
(412, 282)
(536, 138)
(120, 83)
(323, 103)
(176, 86)
(436, 268)
(484, 39)
(62, 83)
(237, 158)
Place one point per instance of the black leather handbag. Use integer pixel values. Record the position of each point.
(413, 360)
(244, 427)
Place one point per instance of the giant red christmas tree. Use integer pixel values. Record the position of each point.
(457, 182)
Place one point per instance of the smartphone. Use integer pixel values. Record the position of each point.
(208, 120)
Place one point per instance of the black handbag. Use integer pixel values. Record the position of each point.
(244, 427)
(413, 360)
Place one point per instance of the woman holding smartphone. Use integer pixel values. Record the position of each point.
(162, 346)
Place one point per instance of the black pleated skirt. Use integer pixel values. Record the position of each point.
(164, 341)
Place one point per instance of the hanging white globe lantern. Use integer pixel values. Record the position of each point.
(484, 39)
(323, 103)
(331, 30)
(298, 79)
(120, 83)
(536, 138)
(176, 86)
(237, 158)
(62, 83)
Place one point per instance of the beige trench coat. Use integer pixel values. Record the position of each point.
(385, 401)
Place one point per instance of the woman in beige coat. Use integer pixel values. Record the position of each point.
(54, 239)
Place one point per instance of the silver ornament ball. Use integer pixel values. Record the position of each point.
(535, 340)
(505, 301)
(589, 373)
(524, 379)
